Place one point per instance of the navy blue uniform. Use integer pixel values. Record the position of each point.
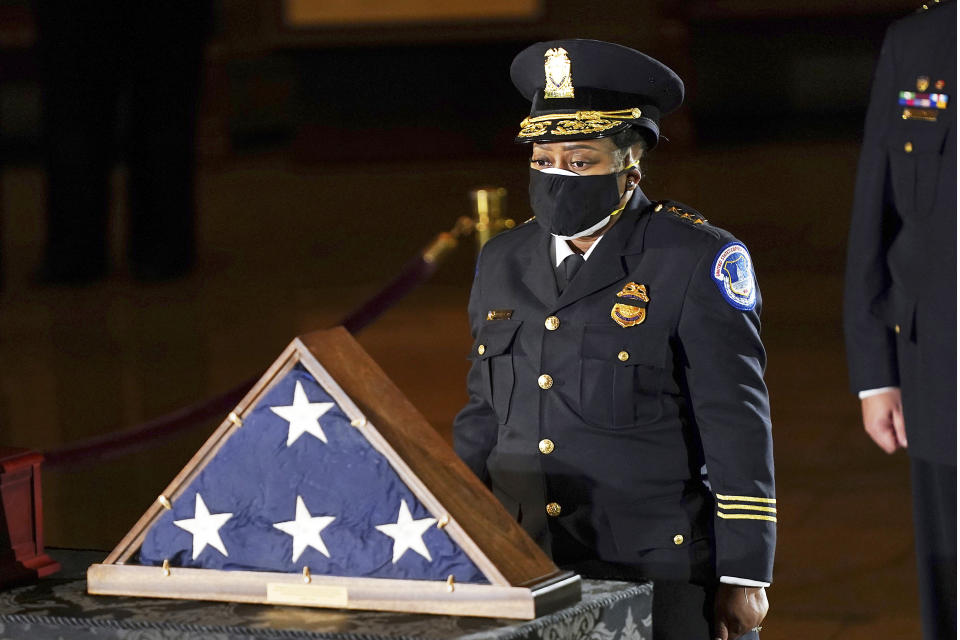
(900, 301)
(595, 434)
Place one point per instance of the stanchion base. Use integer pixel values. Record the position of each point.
(22, 558)
(15, 573)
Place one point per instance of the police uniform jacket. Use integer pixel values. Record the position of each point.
(900, 301)
(596, 433)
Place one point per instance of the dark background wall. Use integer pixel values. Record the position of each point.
(753, 70)
(439, 91)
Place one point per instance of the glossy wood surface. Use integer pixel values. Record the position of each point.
(412, 596)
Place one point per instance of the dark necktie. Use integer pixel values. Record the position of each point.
(568, 269)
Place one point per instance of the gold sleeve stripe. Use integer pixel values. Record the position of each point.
(747, 499)
(745, 516)
(747, 507)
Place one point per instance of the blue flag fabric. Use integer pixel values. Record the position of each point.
(298, 486)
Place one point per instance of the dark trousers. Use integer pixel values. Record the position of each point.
(681, 610)
(94, 56)
(684, 611)
(935, 531)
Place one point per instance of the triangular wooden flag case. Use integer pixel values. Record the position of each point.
(455, 549)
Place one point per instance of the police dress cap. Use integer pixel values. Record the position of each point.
(584, 89)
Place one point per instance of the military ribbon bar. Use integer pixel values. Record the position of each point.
(913, 99)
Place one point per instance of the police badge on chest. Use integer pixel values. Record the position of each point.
(630, 308)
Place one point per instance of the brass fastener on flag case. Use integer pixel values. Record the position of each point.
(164, 502)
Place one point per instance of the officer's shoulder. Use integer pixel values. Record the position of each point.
(917, 24)
(675, 217)
(678, 224)
(508, 239)
(930, 6)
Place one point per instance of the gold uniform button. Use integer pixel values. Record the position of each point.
(552, 323)
(623, 356)
(546, 446)
(896, 328)
(553, 509)
(908, 147)
(545, 381)
(481, 349)
(678, 539)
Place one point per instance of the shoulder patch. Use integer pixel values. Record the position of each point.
(733, 275)
(684, 213)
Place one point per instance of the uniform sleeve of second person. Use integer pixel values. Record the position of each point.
(724, 361)
(870, 343)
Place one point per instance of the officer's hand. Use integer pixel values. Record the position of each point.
(738, 609)
(883, 420)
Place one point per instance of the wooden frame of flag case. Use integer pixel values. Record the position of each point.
(524, 582)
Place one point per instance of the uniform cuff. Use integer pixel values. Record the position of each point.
(866, 393)
(743, 582)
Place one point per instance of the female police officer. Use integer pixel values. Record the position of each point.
(617, 404)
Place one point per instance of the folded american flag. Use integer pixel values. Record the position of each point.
(298, 486)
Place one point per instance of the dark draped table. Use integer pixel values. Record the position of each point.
(59, 607)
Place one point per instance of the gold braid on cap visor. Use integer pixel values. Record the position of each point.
(565, 124)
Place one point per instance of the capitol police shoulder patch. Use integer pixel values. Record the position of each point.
(733, 274)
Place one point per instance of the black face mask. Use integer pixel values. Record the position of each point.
(567, 205)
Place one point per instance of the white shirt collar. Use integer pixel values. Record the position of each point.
(561, 250)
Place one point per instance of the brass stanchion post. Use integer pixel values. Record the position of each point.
(489, 207)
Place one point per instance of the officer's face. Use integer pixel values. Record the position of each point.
(586, 157)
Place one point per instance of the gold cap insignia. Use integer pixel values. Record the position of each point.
(922, 83)
(633, 308)
(556, 69)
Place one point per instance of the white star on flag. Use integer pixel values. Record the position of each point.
(305, 530)
(407, 533)
(205, 527)
(303, 415)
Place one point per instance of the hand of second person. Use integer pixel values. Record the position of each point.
(883, 420)
(738, 609)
